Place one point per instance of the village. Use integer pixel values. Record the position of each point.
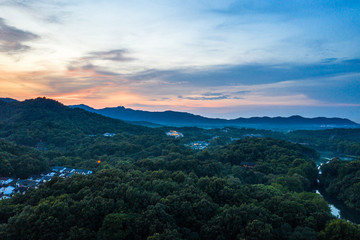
(201, 145)
(11, 186)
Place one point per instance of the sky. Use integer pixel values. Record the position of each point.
(216, 58)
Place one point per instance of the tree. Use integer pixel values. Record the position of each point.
(115, 226)
(340, 229)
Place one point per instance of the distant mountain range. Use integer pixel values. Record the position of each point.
(179, 119)
(173, 118)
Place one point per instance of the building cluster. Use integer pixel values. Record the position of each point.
(10, 186)
(109, 134)
(198, 145)
(175, 134)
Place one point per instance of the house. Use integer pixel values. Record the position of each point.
(248, 164)
(26, 183)
(175, 134)
(35, 178)
(58, 169)
(4, 197)
(109, 134)
(51, 174)
(82, 171)
(45, 179)
(22, 185)
(5, 180)
(199, 145)
(68, 170)
(7, 191)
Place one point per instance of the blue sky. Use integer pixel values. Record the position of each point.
(215, 58)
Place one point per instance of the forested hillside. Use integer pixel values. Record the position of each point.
(48, 121)
(341, 180)
(20, 161)
(147, 185)
(343, 141)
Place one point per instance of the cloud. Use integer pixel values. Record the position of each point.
(208, 94)
(117, 55)
(53, 11)
(12, 39)
(139, 105)
(87, 63)
(291, 84)
(249, 74)
(330, 82)
(206, 98)
(352, 61)
(329, 60)
(88, 69)
(242, 92)
(288, 8)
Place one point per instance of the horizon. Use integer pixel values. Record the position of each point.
(214, 117)
(219, 59)
(280, 116)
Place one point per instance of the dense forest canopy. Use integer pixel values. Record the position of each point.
(45, 120)
(20, 161)
(344, 141)
(150, 186)
(341, 180)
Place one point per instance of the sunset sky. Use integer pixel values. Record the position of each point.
(217, 58)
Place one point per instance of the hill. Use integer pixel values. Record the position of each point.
(57, 135)
(173, 118)
(20, 161)
(8, 100)
(340, 180)
(147, 185)
(45, 120)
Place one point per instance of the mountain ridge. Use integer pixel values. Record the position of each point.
(45, 120)
(8, 100)
(189, 119)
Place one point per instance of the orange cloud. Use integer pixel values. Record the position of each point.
(22, 85)
(86, 71)
(99, 96)
(99, 89)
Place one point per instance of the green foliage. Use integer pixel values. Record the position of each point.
(340, 229)
(50, 122)
(20, 161)
(133, 204)
(344, 141)
(341, 179)
(115, 226)
(149, 186)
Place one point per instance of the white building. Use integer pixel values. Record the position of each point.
(7, 190)
(109, 134)
(5, 181)
(175, 134)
